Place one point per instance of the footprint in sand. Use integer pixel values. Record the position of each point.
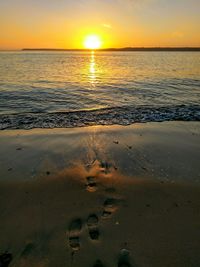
(105, 167)
(91, 184)
(5, 259)
(124, 258)
(74, 233)
(92, 224)
(98, 263)
(110, 206)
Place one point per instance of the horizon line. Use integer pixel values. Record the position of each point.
(139, 48)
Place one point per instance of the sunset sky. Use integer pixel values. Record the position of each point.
(118, 23)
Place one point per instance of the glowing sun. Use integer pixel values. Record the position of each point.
(92, 42)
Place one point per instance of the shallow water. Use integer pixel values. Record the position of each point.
(119, 84)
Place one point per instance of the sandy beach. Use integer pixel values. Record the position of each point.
(101, 196)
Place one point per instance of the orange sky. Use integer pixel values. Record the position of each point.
(119, 23)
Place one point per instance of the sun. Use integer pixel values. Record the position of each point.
(92, 42)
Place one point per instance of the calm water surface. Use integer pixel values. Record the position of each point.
(52, 82)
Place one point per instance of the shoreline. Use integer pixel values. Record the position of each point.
(103, 117)
(103, 194)
(123, 49)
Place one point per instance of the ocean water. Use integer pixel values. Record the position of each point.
(68, 89)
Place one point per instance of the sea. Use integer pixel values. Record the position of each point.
(51, 89)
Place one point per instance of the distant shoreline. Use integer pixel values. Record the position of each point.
(125, 49)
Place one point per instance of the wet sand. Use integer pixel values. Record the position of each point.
(101, 196)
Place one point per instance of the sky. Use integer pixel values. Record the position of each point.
(119, 23)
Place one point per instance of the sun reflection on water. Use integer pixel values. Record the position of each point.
(92, 69)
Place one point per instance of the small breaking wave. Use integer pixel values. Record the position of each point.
(106, 116)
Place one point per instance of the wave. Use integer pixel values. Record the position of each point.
(106, 116)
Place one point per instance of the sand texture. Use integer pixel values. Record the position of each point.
(102, 196)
